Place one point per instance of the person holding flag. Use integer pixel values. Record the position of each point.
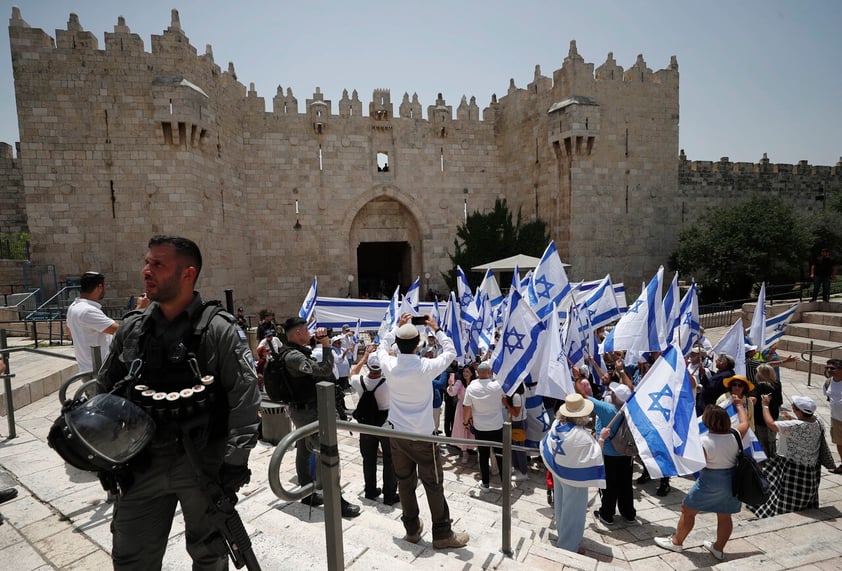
(712, 490)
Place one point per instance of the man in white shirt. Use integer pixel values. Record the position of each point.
(833, 392)
(89, 326)
(411, 410)
(483, 407)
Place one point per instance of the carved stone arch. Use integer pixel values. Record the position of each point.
(388, 216)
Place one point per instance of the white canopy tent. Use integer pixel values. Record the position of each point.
(520, 261)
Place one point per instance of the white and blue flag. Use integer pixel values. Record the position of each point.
(775, 326)
(642, 327)
(410, 301)
(308, 308)
(751, 445)
(574, 342)
(549, 283)
(450, 324)
(672, 308)
(514, 355)
(554, 378)
(757, 330)
(538, 420)
(688, 330)
(601, 304)
(569, 453)
(491, 288)
(661, 414)
(391, 317)
(733, 344)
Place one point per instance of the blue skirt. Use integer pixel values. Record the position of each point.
(712, 492)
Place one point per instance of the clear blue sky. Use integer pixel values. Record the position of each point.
(756, 75)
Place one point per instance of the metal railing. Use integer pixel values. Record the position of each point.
(327, 468)
(5, 352)
(809, 358)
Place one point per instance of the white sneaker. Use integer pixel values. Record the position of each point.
(713, 551)
(519, 476)
(666, 543)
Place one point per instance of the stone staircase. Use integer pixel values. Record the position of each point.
(818, 323)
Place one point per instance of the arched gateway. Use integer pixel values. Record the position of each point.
(384, 246)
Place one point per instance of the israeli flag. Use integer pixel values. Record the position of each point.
(751, 445)
(568, 452)
(642, 327)
(538, 420)
(515, 354)
(574, 343)
(483, 332)
(437, 310)
(688, 330)
(601, 304)
(549, 282)
(410, 300)
(757, 330)
(308, 308)
(661, 414)
(491, 288)
(467, 305)
(450, 324)
(733, 344)
(672, 308)
(554, 378)
(391, 317)
(775, 326)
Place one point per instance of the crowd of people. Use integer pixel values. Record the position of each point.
(474, 406)
(414, 383)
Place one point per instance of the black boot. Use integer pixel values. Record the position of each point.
(349, 510)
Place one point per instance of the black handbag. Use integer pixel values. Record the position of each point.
(749, 484)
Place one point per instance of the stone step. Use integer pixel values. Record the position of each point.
(801, 345)
(829, 333)
(822, 318)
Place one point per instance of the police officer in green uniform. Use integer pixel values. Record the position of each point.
(180, 346)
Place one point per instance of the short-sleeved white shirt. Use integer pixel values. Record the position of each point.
(87, 322)
(484, 396)
(381, 395)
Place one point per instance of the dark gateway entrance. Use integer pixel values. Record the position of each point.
(382, 266)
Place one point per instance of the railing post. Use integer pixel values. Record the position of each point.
(7, 386)
(328, 472)
(505, 475)
(810, 364)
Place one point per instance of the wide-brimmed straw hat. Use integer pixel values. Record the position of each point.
(576, 406)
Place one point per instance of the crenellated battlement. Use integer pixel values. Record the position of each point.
(764, 166)
(173, 47)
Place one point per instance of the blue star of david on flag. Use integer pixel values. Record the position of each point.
(518, 340)
(545, 287)
(636, 306)
(656, 405)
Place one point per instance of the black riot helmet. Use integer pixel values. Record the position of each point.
(102, 433)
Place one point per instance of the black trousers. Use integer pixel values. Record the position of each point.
(618, 493)
(485, 453)
(449, 413)
(368, 450)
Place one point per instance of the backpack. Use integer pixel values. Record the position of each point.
(623, 440)
(279, 384)
(367, 411)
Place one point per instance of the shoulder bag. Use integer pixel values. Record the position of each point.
(749, 484)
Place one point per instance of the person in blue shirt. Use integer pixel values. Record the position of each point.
(618, 494)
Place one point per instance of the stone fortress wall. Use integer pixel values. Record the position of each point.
(119, 143)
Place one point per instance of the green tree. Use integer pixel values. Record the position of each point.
(731, 249)
(488, 236)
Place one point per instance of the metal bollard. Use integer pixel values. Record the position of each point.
(328, 467)
(7, 386)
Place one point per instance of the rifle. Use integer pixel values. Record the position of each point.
(221, 513)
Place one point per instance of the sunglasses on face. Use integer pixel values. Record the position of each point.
(737, 384)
